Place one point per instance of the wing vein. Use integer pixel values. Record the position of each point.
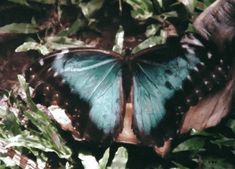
(89, 67)
(104, 77)
(150, 63)
(148, 77)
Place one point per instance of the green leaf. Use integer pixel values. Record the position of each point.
(152, 29)
(8, 162)
(88, 161)
(120, 159)
(48, 135)
(61, 42)
(162, 17)
(231, 124)
(32, 139)
(68, 166)
(190, 28)
(179, 166)
(208, 2)
(74, 28)
(119, 39)
(90, 7)
(142, 10)
(160, 2)
(26, 46)
(21, 28)
(2, 166)
(104, 160)
(215, 163)
(28, 141)
(224, 141)
(194, 144)
(45, 1)
(189, 4)
(25, 2)
(21, 2)
(9, 124)
(150, 42)
(200, 5)
(25, 87)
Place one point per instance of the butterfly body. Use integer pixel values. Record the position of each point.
(101, 89)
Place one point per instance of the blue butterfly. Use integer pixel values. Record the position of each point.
(104, 93)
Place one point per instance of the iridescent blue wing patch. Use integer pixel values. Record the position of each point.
(97, 79)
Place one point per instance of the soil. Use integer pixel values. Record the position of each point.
(11, 63)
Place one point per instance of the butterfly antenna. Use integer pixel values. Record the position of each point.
(120, 7)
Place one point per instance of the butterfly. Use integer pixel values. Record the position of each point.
(137, 98)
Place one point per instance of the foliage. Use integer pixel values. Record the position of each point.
(25, 28)
(119, 160)
(42, 137)
(26, 128)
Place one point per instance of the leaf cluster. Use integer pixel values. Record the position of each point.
(49, 25)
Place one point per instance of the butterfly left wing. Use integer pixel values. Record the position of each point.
(160, 82)
(92, 81)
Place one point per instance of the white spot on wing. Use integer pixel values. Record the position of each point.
(196, 69)
(206, 82)
(201, 63)
(47, 88)
(32, 76)
(49, 69)
(62, 81)
(209, 55)
(55, 74)
(189, 78)
(41, 62)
